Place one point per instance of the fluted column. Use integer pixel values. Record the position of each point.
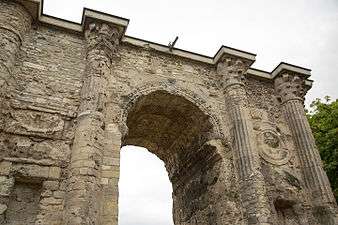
(84, 188)
(290, 89)
(252, 186)
(15, 21)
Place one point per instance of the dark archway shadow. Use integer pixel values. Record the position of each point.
(199, 164)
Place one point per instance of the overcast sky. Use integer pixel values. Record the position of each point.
(300, 32)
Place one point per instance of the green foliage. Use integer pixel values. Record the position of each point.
(323, 119)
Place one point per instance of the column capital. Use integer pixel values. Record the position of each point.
(290, 86)
(102, 38)
(232, 70)
(232, 64)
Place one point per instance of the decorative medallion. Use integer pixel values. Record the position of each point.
(272, 148)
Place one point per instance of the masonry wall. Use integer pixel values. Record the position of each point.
(37, 125)
(38, 122)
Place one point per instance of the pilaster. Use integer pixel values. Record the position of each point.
(252, 186)
(290, 88)
(110, 175)
(85, 183)
(15, 21)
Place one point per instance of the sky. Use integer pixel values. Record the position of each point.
(300, 32)
(145, 189)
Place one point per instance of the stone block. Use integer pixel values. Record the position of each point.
(3, 208)
(5, 168)
(54, 173)
(51, 201)
(104, 181)
(51, 185)
(110, 174)
(58, 194)
(6, 184)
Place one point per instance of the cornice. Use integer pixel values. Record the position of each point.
(283, 66)
(35, 7)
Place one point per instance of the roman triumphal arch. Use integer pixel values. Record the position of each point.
(235, 140)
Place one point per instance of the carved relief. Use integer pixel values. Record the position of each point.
(34, 149)
(232, 71)
(289, 87)
(33, 122)
(272, 148)
(101, 44)
(103, 38)
(175, 89)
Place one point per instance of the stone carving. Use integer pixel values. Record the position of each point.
(174, 89)
(32, 122)
(69, 100)
(232, 70)
(102, 38)
(272, 149)
(291, 90)
(48, 152)
(290, 87)
(102, 41)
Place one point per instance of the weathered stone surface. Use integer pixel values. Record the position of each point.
(291, 90)
(23, 204)
(237, 147)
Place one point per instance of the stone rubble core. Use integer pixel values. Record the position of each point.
(235, 140)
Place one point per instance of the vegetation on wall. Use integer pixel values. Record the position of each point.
(323, 119)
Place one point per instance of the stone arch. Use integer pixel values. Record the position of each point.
(179, 127)
(174, 89)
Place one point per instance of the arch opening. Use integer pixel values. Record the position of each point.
(198, 165)
(145, 192)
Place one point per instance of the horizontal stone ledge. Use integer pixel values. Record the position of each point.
(36, 172)
(41, 162)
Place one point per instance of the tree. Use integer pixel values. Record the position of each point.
(323, 119)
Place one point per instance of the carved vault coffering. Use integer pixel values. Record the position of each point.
(235, 140)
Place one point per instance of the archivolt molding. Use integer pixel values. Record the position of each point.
(174, 89)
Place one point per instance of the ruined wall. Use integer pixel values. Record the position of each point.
(279, 160)
(23, 201)
(140, 70)
(43, 72)
(209, 193)
(37, 124)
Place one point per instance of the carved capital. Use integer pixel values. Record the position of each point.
(102, 39)
(232, 71)
(289, 86)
